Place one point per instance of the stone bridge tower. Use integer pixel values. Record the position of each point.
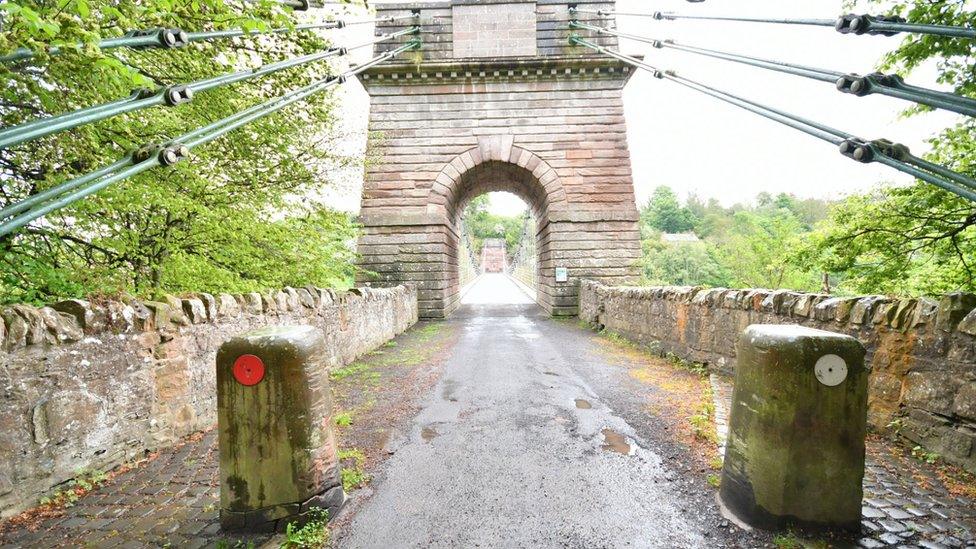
(497, 101)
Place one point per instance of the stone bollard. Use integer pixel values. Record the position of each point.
(278, 457)
(795, 453)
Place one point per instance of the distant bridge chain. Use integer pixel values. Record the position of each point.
(19, 214)
(472, 259)
(519, 256)
(172, 95)
(171, 38)
(882, 151)
(844, 24)
(885, 84)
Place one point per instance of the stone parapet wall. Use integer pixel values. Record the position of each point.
(922, 352)
(87, 386)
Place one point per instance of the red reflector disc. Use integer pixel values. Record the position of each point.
(248, 370)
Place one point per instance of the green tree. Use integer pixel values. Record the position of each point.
(758, 252)
(682, 264)
(228, 218)
(663, 212)
(482, 224)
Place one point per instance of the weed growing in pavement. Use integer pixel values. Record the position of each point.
(343, 419)
(714, 480)
(352, 469)
(716, 462)
(350, 370)
(654, 348)
(693, 367)
(390, 344)
(703, 422)
(920, 454)
(616, 338)
(237, 544)
(313, 535)
(429, 331)
(84, 482)
(789, 540)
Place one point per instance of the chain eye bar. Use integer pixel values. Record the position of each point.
(875, 83)
(172, 96)
(177, 38)
(162, 155)
(878, 25)
(882, 151)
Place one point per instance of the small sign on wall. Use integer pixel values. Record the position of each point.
(562, 274)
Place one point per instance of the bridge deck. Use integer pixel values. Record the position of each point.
(502, 427)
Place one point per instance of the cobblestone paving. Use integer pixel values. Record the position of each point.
(905, 503)
(170, 501)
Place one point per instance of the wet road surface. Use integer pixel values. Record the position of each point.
(495, 289)
(519, 445)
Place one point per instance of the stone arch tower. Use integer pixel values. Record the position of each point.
(497, 101)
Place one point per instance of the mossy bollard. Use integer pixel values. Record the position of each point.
(278, 457)
(795, 452)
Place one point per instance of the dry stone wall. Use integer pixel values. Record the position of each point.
(922, 352)
(87, 386)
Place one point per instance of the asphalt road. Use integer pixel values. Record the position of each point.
(523, 444)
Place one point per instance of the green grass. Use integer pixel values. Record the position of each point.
(787, 541)
(921, 454)
(429, 331)
(84, 481)
(703, 423)
(343, 419)
(353, 475)
(714, 480)
(354, 368)
(313, 535)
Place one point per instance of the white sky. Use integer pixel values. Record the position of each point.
(695, 143)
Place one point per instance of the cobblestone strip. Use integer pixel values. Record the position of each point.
(905, 502)
(170, 501)
(722, 395)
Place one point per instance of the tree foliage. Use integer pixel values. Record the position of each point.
(234, 217)
(746, 245)
(482, 224)
(917, 239)
(664, 213)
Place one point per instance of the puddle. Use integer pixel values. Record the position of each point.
(450, 386)
(584, 405)
(428, 433)
(615, 442)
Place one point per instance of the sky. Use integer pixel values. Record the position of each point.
(697, 144)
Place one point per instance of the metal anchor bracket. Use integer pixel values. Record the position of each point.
(172, 153)
(167, 38)
(865, 24)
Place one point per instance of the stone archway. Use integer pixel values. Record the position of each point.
(497, 165)
(541, 119)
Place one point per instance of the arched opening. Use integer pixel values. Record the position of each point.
(495, 168)
(497, 264)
